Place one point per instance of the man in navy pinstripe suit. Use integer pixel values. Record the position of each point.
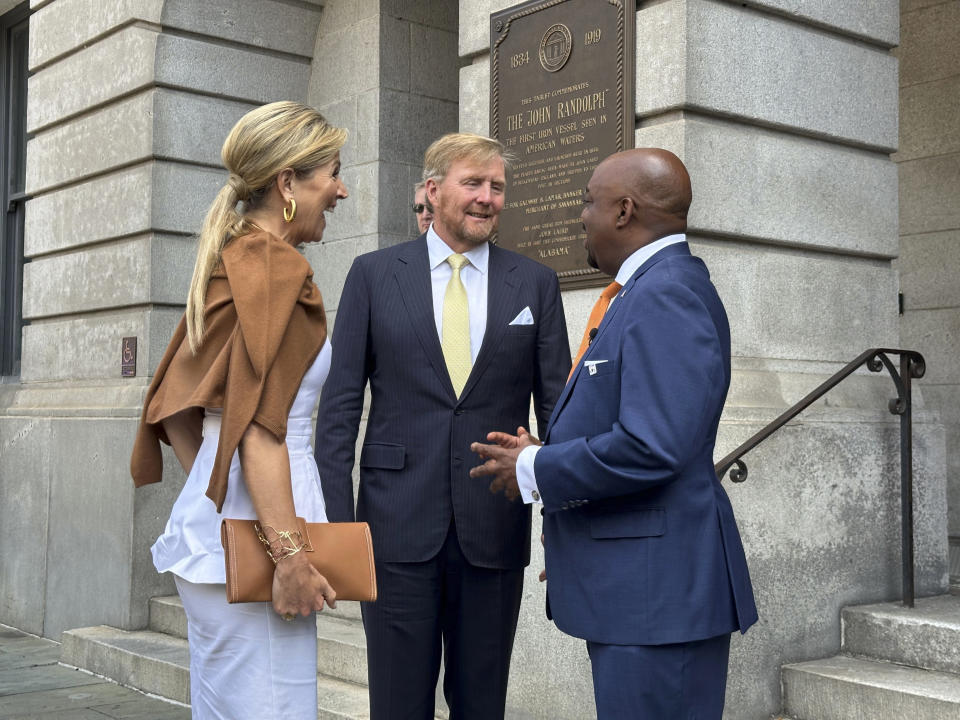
(450, 555)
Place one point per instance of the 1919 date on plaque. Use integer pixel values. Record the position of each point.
(561, 100)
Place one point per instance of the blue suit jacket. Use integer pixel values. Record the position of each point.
(415, 460)
(641, 543)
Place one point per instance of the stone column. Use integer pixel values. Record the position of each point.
(128, 106)
(785, 112)
(386, 71)
(929, 165)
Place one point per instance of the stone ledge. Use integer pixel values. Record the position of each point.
(159, 123)
(152, 196)
(869, 19)
(928, 270)
(87, 347)
(926, 636)
(144, 660)
(929, 42)
(703, 62)
(757, 282)
(167, 616)
(864, 18)
(928, 196)
(65, 400)
(802, 192)
(122, 63)
(341, 649)
(143, 269)
(929, 122)
(246, 75)
(841, 688)
(117, 135)
(267, 24)
(59, 27)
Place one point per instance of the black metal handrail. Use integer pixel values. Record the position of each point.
(912, 365)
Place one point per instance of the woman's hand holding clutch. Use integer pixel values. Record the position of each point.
(298, 589)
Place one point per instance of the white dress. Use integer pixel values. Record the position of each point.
(245, 660)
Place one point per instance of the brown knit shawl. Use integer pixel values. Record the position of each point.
(264, 325)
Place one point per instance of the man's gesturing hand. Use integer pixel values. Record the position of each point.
(501, 460)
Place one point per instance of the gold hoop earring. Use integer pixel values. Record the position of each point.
(289, 216)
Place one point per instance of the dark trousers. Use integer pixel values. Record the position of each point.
(471, 610)
(685, 681)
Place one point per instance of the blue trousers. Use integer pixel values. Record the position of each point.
(470, 611)
(684, 681)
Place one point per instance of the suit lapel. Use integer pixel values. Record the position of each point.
(502, 287)
(681, 248)
(413, 278)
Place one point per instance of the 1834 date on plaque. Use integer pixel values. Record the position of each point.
(561, 100)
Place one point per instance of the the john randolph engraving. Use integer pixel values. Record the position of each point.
(561, 100)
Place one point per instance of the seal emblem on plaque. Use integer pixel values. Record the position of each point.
(555, 47)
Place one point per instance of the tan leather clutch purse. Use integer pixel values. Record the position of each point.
(341, 552)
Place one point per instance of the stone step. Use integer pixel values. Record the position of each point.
(341, 644)
(341, 648)
(925, 636)
(847, 688)
(146, 660)
(167, 616)
(159, 664)
(158, 660)
(339, 700)
(345, 609)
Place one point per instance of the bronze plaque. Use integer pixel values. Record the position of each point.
(561, 100)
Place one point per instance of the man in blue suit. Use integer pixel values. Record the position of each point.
(643, 556)
(454, 335)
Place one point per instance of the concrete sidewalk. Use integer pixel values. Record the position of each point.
(33, 686)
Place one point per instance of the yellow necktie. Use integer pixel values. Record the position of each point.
(596, 315)
(456, 327)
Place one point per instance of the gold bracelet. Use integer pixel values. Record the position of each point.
(286, 546)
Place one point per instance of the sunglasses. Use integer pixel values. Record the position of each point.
(418, 208)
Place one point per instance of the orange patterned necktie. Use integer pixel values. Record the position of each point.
(596, 315)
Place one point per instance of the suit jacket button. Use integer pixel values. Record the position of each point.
(459, 411)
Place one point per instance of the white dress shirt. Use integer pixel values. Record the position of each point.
(526, 477)
(474, 278)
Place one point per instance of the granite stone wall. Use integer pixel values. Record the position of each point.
(928, 161)
(128, 106)
(786, 114)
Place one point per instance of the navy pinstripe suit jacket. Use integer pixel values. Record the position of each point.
(415, 458)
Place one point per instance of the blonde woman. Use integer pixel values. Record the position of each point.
(233, 395)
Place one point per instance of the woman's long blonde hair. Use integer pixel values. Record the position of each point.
(264, 142)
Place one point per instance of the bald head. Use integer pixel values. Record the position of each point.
(655, 179)
(634, 197)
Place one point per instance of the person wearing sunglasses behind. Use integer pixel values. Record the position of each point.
(422, 207)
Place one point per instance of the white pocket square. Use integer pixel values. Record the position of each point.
(524, 318)
(591, 365)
